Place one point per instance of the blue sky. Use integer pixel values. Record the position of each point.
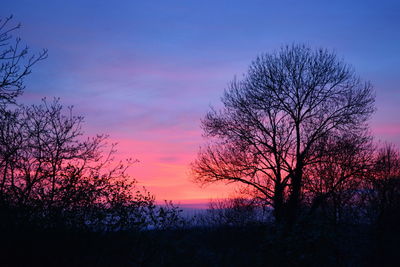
(146, 71)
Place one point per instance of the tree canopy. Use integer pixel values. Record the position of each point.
(273, 122)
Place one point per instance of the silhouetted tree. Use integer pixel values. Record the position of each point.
(267, 133)
(384, 184)
(48, 167)
(15, 62)
(50, 173)
(382, 192)
(334, 184)
(236, 212)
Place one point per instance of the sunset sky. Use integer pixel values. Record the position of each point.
(146, 72)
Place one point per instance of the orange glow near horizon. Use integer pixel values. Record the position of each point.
(164, 170)
(164, 164)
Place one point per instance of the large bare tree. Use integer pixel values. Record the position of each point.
(270, 128)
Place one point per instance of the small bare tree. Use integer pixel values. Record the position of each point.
(384, 185)
(335, 183)
(60, 177)
(267, 133)
(15, 62)
(49, 172)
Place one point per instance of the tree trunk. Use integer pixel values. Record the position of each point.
(293, 204)
(278, 204)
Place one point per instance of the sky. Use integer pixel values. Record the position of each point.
(146, 72)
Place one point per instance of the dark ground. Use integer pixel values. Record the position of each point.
(253, 245)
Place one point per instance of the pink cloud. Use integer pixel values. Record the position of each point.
(386, 129)
(164, 169)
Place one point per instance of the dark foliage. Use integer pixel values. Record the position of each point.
(51, 175)
(263, 245)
